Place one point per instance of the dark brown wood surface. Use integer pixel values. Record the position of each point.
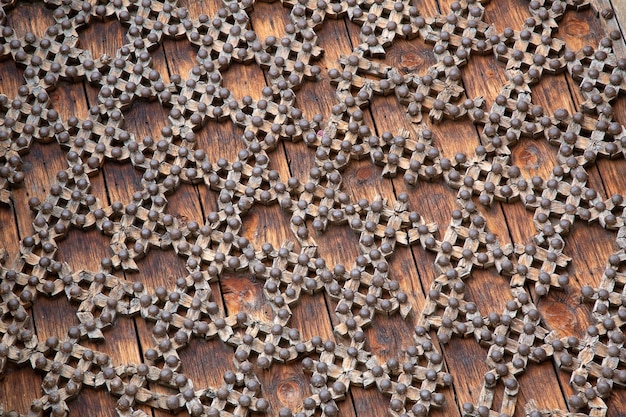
(287, 385)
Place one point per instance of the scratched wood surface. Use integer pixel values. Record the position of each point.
(287, 385)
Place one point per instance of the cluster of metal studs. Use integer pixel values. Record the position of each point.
(413, 382)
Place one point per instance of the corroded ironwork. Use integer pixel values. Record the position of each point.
(415, 382)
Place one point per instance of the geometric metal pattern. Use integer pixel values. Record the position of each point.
(513, 338)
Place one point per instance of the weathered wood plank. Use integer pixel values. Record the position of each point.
(484, 77)
(28, 17)
(619, 8)
(19, 386)
(589, 263)
(283, 385)
(389, 337)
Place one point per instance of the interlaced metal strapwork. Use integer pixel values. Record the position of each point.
(414, 382)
